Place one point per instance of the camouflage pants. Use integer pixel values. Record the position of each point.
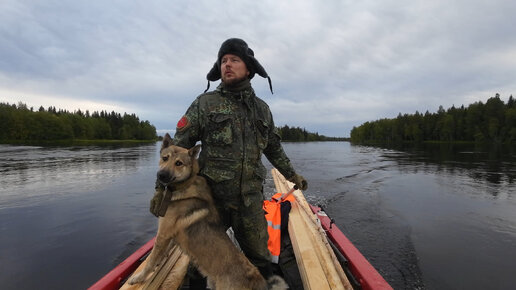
(249, 226)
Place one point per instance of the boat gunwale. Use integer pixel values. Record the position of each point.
(114, 278)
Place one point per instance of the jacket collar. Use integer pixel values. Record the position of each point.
(237, 88)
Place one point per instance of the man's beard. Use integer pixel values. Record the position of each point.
(233, 82)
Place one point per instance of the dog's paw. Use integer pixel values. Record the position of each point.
(137, 278)
(275, 282)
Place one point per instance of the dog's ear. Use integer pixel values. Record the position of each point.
(194, 151)
(167, 141)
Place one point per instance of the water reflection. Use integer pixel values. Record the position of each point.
(40, 171)
(69, 214)
(455, 201)
(493, 164)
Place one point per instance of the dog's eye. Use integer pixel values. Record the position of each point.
(164, 158)
(179, 163)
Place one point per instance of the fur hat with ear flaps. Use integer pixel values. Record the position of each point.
(239, 48)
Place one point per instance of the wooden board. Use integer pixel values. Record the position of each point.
(310, 269)
(168, 275)
(318, 266)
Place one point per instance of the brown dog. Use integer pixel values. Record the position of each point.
(192, 221)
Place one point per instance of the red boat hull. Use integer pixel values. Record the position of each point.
(360, 268)
(113, 279)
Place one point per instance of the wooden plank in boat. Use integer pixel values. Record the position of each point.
(168, 275)
(312, 274)
(315, 257)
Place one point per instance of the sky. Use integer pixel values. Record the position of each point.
(333, 64)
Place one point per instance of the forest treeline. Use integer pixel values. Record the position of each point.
(301, 135)
(20, 123)
(494, 121)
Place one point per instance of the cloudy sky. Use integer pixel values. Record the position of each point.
(333, 64)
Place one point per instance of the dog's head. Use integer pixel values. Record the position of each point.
(176, 164)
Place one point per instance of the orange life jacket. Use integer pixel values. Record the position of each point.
(273, 216)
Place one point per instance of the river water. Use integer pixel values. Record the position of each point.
(439, 217)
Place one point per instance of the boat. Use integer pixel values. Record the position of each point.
(325, 257)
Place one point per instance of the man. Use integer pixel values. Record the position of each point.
(235, 127)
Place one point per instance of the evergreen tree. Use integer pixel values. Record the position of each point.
(17, 123)
(301, 134)
(493, 121)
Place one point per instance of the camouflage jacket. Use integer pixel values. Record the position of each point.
(235, 127)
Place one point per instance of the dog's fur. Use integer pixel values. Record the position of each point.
(192, 221)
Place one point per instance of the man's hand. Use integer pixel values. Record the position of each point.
(299, 180)
(155, 202)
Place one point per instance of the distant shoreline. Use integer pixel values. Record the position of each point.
(74, 142)
(334, 140)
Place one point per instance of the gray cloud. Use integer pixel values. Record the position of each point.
(334, 65)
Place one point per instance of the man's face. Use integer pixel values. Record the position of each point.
(232, 69)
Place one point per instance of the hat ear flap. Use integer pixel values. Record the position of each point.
(214, 73)
(258, 68)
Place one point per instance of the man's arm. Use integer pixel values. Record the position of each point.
(188, 129)
(277, 157)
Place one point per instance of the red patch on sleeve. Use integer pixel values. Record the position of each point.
(182, 123)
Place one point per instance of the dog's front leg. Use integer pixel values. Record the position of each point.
(156, 255)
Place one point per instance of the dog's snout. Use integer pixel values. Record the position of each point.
(163, 176)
